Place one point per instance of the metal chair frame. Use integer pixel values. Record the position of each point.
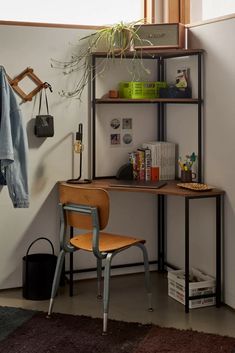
(107, 257)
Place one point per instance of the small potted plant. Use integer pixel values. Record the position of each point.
(186, 168)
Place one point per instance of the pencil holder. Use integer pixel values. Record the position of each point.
(187, 176)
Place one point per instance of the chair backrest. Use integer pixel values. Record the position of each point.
(85, 196)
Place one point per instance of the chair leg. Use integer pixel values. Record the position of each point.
(99, 278)
(147, 275)
(107, 268)
(56, 280)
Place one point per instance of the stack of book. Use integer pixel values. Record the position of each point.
(141, 164)
(154, 161)
(163, 164)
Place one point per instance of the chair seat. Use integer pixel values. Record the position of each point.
(107, 242)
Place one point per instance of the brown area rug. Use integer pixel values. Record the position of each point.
(80, 334)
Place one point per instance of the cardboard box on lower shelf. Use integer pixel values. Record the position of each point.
(200, 284)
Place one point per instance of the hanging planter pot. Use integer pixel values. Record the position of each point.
(114, 41)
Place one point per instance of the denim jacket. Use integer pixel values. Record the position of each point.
(13, 145)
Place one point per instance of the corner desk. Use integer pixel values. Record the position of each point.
(170, 189)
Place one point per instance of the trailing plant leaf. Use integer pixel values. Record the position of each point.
(117, 40)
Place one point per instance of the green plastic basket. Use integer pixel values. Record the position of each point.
(140, 90)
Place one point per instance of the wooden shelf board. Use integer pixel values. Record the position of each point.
(146, 101)
(152, 53)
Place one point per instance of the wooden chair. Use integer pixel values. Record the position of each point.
(88, 208)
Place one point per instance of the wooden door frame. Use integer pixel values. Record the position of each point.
(177, 11)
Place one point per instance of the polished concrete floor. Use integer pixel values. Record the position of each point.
(128, 302)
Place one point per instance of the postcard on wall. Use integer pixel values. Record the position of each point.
(127, 123)
(121, 132)
(127, 139)
(115, 139)
(115, 124)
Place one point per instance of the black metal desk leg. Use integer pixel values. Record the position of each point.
(161, 233)
(186, 255)
(218, 250)
(71, 267)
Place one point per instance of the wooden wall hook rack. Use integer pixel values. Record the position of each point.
(28, 72)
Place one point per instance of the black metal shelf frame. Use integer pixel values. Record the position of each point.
(161, 57)
(161, 136)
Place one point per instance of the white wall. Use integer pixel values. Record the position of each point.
(218, 42)
(195, 11)
(217, 8)
(209, 9)
(52, 159)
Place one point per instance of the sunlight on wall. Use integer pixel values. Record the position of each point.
(81, 12)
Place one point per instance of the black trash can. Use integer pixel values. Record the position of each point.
(38, 273)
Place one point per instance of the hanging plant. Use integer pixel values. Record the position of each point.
(117, 40)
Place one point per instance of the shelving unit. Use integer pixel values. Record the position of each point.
(161, 56)
(171, 188)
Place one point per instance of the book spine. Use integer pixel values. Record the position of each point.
(141, 164)
(172, 162)
(148, 164)
(133, 161)
(158, 152)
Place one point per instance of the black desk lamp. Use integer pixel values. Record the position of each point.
(78, 148)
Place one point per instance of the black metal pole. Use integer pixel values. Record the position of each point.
(200, 178)
(186, 255)
(162, 105)
(159, 105)
(93, 85)
(161, 233)
(159, 209)
(71, 267)
(218, 250)
(161, 204)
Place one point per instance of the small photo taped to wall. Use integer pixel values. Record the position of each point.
(127, 139)
(127, 123)
(115, 124)
(115, 139)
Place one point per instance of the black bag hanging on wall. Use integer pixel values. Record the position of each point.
(44, 124)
